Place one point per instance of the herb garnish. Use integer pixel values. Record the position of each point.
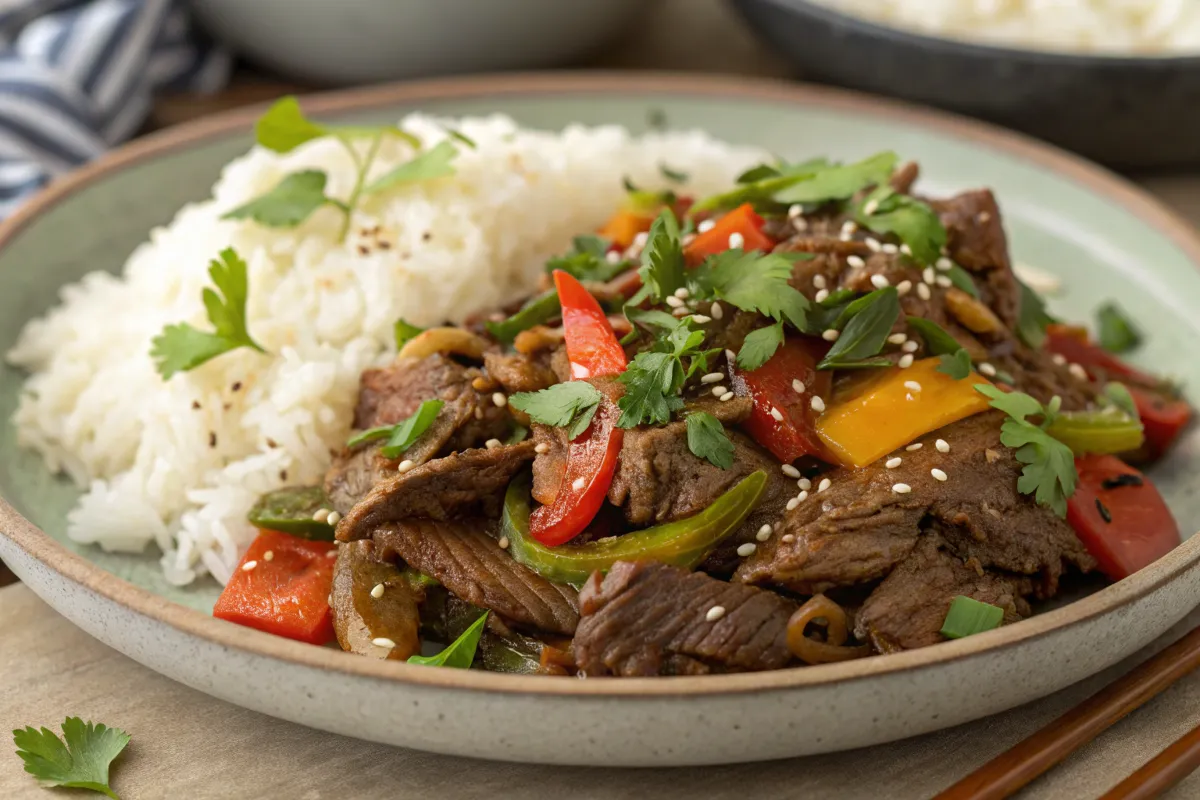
(403, 434)
(587, 260)
(1117, 334)
(662, 259)
(1118, 396)
(79, 760)
(570, 404)
(403, 331)
(181, 347)
(460, 653)
(810, 183)
(1032, 318)
(673, 174)
(916, 223)
(292, 201)
(759, 345)
(871, 319)
(655, 376)
(955, 361)
(706, 439)
(1049, 472)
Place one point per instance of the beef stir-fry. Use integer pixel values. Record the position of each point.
(811, 419)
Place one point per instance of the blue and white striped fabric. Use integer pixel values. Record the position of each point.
(77, 77)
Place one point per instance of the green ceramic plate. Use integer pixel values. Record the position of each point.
(1102, 237)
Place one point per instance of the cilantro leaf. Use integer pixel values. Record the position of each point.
(292, 201)
(181, 347)
(1049, 471)
(759, 346)
(754, 282)
(1117, 334)
(957, 364)
(863, 336)
(758, 185)
(840, 182)
(1032, 318)
(962, 279)
(79, 760)
(284, 127)
(403, 434)
(955, 361)
(587, 260)
(403, 331)
(662, 257)
(460, 653)
(917, 225)
(571, 404)
(433, 163)
(706, 439)
(652, 383)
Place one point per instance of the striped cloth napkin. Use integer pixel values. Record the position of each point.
(77, 77)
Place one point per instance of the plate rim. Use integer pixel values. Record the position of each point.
(74, 568)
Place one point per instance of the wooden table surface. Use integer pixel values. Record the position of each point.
(187, 745)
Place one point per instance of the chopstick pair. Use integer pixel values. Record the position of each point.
(1010, 771)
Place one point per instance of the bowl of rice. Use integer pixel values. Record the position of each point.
(1115, 80)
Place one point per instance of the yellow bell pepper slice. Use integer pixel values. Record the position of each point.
(890, 411)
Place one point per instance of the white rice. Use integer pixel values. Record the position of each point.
(1128, 27)
(95, 408)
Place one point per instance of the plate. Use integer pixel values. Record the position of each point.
(1103, 237)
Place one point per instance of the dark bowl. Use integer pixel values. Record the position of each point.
(1127, 112)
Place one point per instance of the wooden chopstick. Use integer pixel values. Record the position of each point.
(1016, 767)
(1161, 772)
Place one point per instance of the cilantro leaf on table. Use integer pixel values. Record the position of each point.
(570, 404)
(1115, 332)
(707, 439)
(759, 345)
(1032, 318)
(662, 269)
(403, 434)
(863, 336)
(79, 760)
(460, 653)
(587, 260)
(433, 163)
(915, 222)
(1049, 471)
(181, 347)
(290, 202)
(955, 360)
(841, 181)
(754, 282)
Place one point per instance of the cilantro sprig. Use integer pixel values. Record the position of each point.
(662, 269)
(181, 347)
(1049, 472)
(916, 224)
(587, 260)
(570, 405)
(707, 439)
(403, 434)
(654, 378)
(79, 760)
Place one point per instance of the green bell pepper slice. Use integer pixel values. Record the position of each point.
(1105, 432)
(683, 543)
(291, 510)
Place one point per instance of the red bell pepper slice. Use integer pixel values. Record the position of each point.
(742, 220)
(593, 350)
(1163, 417)
(771, 386)
(286, 593)
(1119, 516)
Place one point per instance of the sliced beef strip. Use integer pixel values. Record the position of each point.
(465, 484)
(360, 618)
(469, 563)
(646, 618)
(859, 527)
(1036, 373)
(517, 372)
(976, 242)
(909, 607)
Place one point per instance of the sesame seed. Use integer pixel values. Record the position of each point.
(928, 275)
(321, 514)
(831, 334)
(503, 542)
(682, 311)
(700, 319)
(937, 473)
(795, 210)
(715, 613)
(764, 533)
(747, 549)
(871, 207)
(912, 448)
(856, 262)
(824, 484)
(923, 291)
(821, 295)
(1078, 371)
(800, 498)
(499, 399)
(249, 565)
(901, 488)
(777, 414)
(717, 311)
(541, 447)
(849, 227)
(682, 293)
(892, 463)
(793, 503)
(944, 264)
(800, 224)
(492, 444)
(944, 282)
(736, 240)
(790, 471)
(908, 396)
(405, 465)
(874, 245)
(905, 361)
(983, 217)
(898, 338)
(797, 386)
(788, 538)
(713, 377)
(879, 282)
(725, 398)
(640, 240)
(906, 250)
(612, 257)
(1059, 360)
(730, 356)
(377, 591)
(942, 446)
(890, 249)
(804, 483)
(334, 518)
(910, 347)
(577, 484)
(706, 226)
(903, 287)
(819, 281)
(674, 302)
(269, 555)
(817, 404)
(383, 641)
(912, 386)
